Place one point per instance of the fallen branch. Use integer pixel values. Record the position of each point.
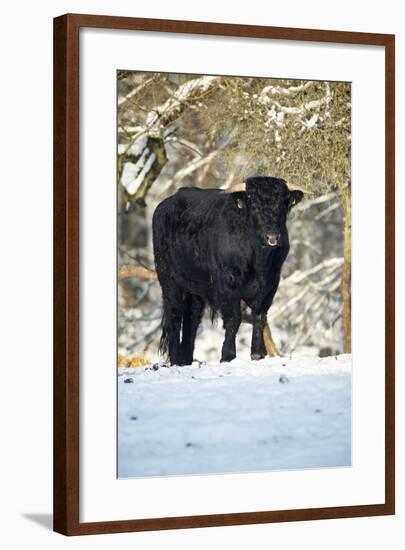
(271, 347)
(127, 271)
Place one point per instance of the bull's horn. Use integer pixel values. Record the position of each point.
(296, 187)
(236, 187)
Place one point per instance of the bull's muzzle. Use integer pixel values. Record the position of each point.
(272, 238)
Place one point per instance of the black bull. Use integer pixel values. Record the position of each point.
(215, 249)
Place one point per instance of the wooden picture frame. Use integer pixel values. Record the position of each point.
(67, 283)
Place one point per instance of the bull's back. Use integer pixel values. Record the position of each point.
(193, 200)
(181, 225)
(187, 210)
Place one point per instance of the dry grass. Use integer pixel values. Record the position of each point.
(126, 361)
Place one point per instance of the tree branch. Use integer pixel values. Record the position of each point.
(123, 101)
(140, 272)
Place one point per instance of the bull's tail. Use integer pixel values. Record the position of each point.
(164, 339)
(213, 311)
(167, 326)
(159, 231)
(187, 320)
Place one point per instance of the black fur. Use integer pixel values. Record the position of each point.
(212, 249)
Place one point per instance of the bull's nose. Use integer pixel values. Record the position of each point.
(273, 238)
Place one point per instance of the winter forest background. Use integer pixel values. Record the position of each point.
(179, 130)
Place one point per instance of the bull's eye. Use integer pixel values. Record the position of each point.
(240, 203)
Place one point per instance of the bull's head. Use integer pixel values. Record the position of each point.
(268, 201)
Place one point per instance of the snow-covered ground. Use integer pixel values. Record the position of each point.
(279, 413)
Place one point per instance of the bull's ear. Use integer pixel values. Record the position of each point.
(240, 199)
(296, 197)
(297, 193)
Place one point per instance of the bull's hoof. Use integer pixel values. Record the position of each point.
(257, 356)
(227, 357)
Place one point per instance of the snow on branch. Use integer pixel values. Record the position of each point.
(291, 91)
(307, 288)
(142, 159)
(304, 205)
(161, 116)
(299, 276)
(309, 106)
(172, 108)
(277, 111)
(141, 165)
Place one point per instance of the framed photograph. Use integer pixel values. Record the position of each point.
(223, 274)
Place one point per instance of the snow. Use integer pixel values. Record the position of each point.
(135, 149)
(273, 113)
(273, 414)
(291, 91)
(134, 174)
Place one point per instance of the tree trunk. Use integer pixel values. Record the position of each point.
(347, 271)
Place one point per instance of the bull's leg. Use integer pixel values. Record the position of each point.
(232, 317)
(171, 325)
(261, 336)
(193, 312)
(258, 349)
